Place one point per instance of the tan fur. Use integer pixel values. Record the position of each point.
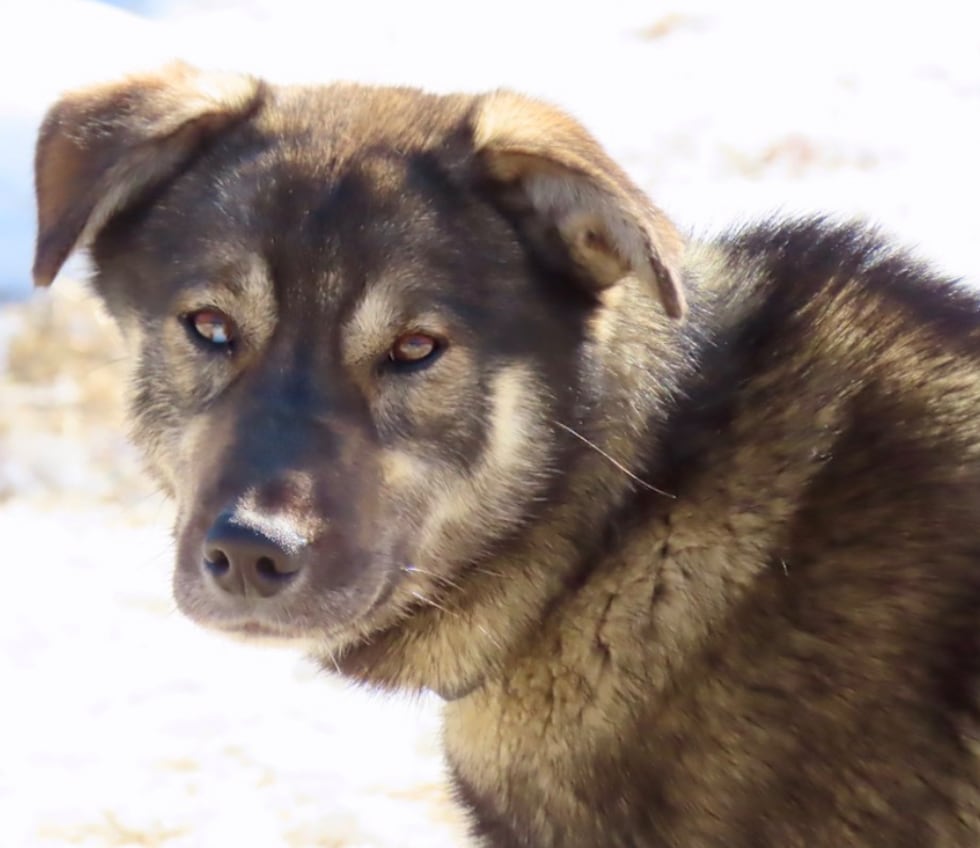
(159, 120)
(566, 177)
(371, 326)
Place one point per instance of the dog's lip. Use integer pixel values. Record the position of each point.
(253, 627)
(257, 628)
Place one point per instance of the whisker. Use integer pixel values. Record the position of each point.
(333, 660)
(427, 600)
(493, 639)
(615, 462)
(437, 578)
(105, 363)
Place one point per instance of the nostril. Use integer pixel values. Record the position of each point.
(268, 569)
(216, 561)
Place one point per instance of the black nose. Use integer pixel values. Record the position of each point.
(242, 560)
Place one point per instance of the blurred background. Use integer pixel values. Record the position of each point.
(121, 724)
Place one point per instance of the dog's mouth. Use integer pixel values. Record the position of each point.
(257, 628)
(255, 632)
(288, 624)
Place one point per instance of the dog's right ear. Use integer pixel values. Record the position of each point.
(101, 148)
(571, 201)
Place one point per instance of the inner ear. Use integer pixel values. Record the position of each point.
(102, 148)
(573, 205)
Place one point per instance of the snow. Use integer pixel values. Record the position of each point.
(720, 109)
(124, 725)
(122, 718)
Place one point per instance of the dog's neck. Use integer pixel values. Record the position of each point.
(655, 594)
(689, 529)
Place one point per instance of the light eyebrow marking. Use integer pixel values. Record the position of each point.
(386, 310)
(245, 292)
(375, 318)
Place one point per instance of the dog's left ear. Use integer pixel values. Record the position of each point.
(101, 148)
(568, 195)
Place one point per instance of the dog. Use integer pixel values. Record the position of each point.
(687, 535)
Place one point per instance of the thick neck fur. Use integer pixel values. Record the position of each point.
(652, 592)
(653, 676)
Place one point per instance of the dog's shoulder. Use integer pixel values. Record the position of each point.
(810, 267)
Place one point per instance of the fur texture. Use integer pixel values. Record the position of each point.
(683, 583)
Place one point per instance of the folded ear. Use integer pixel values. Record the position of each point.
(100, 148)
(566, 193)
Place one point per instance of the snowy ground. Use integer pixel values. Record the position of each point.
(122, 725)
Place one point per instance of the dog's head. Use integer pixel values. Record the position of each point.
(373, 332)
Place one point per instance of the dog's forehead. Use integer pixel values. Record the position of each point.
(344, 119)
(307, 143)
(356, 145)
(338, 183)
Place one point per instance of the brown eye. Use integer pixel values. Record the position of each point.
(212, 326)
(413, 348)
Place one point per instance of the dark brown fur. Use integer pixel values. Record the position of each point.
(711, 582)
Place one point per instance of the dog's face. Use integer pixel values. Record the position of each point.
(364, 322)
